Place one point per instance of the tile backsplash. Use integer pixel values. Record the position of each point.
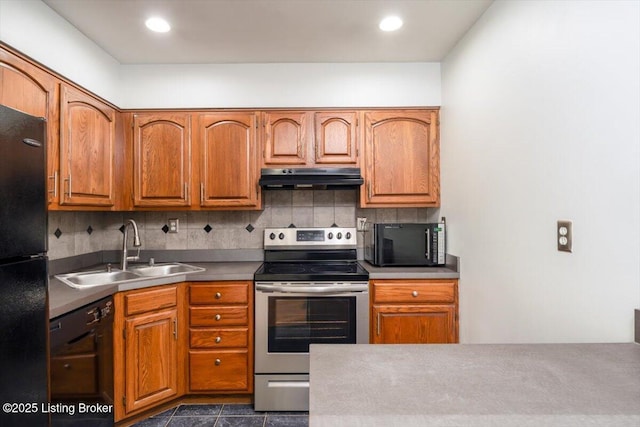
(76, 233)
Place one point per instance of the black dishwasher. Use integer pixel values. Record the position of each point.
(81, 366)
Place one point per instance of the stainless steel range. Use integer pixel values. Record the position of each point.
(310, 289)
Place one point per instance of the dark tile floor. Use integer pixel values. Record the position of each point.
(227, 415)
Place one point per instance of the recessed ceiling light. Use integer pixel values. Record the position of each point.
(157, 24)
(390, 23)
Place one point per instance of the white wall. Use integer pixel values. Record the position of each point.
(540, 122)
(281, 85)
(36, 30)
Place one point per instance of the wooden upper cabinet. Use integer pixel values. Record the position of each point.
(402, 159)
(161, 159)
(285, 133)
(336, 139)
(228, 153)
(87, 149)
(27, 88)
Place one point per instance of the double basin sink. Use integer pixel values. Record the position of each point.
(113, 276)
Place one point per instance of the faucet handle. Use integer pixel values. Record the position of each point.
(152, 262)
(136, 257)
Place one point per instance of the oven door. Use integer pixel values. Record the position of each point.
(290, 317)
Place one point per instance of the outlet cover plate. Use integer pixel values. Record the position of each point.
(564, 236)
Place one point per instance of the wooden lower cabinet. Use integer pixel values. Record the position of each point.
(186, 338)
(147, 348)
(414, 311)
(220, 331)
(221, 370)
(151, 358)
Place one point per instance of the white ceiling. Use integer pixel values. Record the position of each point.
(264, 31)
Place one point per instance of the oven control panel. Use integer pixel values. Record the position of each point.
(293, 237)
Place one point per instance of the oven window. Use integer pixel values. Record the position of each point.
(296, 322)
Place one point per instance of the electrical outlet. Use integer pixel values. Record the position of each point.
(361, 223)
(173, 225)
(564, 236)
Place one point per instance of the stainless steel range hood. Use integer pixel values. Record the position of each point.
(311, 178)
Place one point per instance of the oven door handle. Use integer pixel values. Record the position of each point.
(313, 289)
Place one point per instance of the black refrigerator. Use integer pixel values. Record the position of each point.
(23, 270)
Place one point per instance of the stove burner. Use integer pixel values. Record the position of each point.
(285, 269)
(342, 268)
(302, 272)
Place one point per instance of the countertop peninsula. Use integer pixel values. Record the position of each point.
(475, 385)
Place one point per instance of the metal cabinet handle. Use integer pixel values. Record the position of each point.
(218, 362)
(414, 293)
(218, 295)
(369, 190)
(175, 329)
(69, 188)
(378, 324)
(218, 339)
(95, 314)
(202, 193)
(55, 184)
(218, 317)
(186, 191)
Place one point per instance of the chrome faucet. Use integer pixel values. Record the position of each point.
(136, 243)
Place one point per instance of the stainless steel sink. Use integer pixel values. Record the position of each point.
(167, 269)
(86, 279)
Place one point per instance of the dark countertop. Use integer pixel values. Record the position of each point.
(409, 272)
(475, 385)
(63, 298)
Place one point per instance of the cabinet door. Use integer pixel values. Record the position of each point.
(413, 324)
(336, 137)
(402, 159)
(26, 88)
(228, 153)
(87, 148)
(151, 350)
(161, 159)
(284, 138)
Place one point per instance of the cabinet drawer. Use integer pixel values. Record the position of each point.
(75, 375)
(218, 337)
(219, 316)
(220, 293)
(150, 299)
(219, 370)
(414, 292)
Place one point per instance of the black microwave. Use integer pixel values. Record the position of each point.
(405, 244)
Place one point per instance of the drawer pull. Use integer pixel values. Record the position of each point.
(218, 317)
(218, 362)
(218, 339)
(218, 295)
(67, 366)
(414, 293)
